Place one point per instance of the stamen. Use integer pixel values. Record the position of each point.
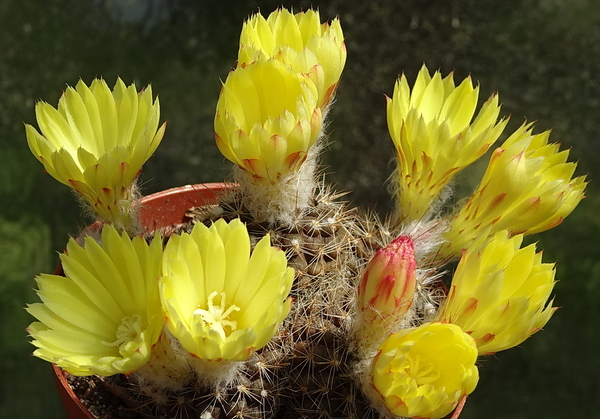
(422, 373)
(216, 315)
(129, 329)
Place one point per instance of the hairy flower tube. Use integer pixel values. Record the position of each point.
(104, 315)
(499, 293)
(267, 119)
(527, 188)
(386, 289)
(97, 142)
(435, 137)
(424, 372)
(223, 302)
(301, 41)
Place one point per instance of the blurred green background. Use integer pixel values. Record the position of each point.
(542, 56)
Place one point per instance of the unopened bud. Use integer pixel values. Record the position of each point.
(387, 287)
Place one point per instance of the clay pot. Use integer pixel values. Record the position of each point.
(158, 210)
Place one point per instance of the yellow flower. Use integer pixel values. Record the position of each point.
(267, 118)
(424, 372)
(434, 137)
(527, 188)
(499, 293)
(97, 141)
(386, 290)
(104, 315)
(301, 41)
(222, 303)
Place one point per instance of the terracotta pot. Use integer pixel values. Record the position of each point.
(158, 210)
(73, 406)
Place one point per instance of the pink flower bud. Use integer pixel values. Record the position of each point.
(387, 287)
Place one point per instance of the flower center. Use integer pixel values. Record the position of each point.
(215, 317)
(421, 372)
(129, 329)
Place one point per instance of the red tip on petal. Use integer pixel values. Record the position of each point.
(470, 307)
(497, 200)
(496, 154)
(277, 140)
(251, 165)
(488, 337)
(295, 160)
(554, 223)
(329, 94)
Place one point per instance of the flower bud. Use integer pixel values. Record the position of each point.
(386, 289)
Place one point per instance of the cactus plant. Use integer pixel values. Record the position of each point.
(281, 300)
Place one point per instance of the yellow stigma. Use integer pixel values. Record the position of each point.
(421, 372)
(129, 329)
(216, 316)
(104, 316)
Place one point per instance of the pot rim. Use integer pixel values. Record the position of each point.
(169, 206)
